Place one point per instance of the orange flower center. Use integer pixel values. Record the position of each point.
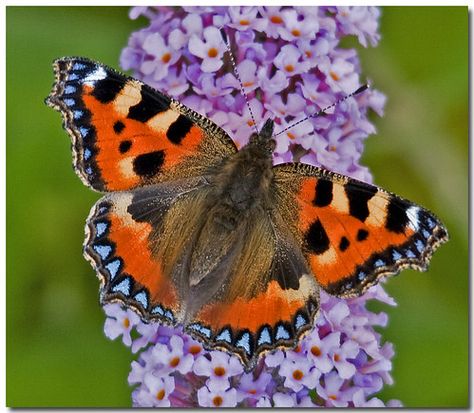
(298, 374)
(252, 391)
(276, 20)
(332, 397)
(315, 351)
(291, 136)
(296, 33)
(244, 22)
(174, 362)
(126, 322)
(166, 57)
(212, 52)
(219, 371)
(160, 395)
(334, 75)
(247, 84)
(308, 53)
(332, 148)
(195, 349)
(217, 401)
(289, 68)
(336, 357)
(250, 122)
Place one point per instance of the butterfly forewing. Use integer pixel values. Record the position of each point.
(353, 233)
(126, 134)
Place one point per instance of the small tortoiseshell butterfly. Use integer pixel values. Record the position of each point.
(192, 231)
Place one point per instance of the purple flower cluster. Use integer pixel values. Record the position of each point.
(291, 65)
(340, 363)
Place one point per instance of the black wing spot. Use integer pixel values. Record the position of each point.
(344, 244)
(149, 106)
(362, 234)
(107, 89)
(149, 164)
(323, 195)
(125, 146)
(397, 218)
(316, 238)
(178, 129)
(119, 127)
(359, 195)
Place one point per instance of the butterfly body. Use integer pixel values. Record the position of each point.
(193, 232)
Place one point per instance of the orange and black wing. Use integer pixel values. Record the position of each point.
(126, 134)
(353, 233)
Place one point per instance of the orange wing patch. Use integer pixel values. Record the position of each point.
(131, 152)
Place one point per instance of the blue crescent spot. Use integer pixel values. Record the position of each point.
(69, 90)
(348, 285)
(264, 337)
(158, 310)
(244, 342)
(103, 250)
(169, 315)
(77, 114)
(282, 333)
(419, 245)
(396, 255)
(300, 321)
(69, 102)
(379, 263)
(425, 233)
(72, 76)
(224, 336)
(123, 287)
(410, 254)
(430, 223)
(142, 299)
(361, 275)
(200, 329)
(83, 131)
(100, 228)
(89, 170)
(87, 153)
(113, 268)
(102, 209)
(78, 66)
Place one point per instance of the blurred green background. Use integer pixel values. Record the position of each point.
(57, 354)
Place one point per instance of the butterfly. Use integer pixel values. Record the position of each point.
(192, 231)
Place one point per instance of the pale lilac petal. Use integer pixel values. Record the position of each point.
(197, 47)
(283, 400)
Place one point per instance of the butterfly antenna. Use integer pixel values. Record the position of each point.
(236, 72)
(323, 111)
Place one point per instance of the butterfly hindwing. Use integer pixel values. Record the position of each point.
(258, 312)
(121, 234)
(354, 233)
(126, 134)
